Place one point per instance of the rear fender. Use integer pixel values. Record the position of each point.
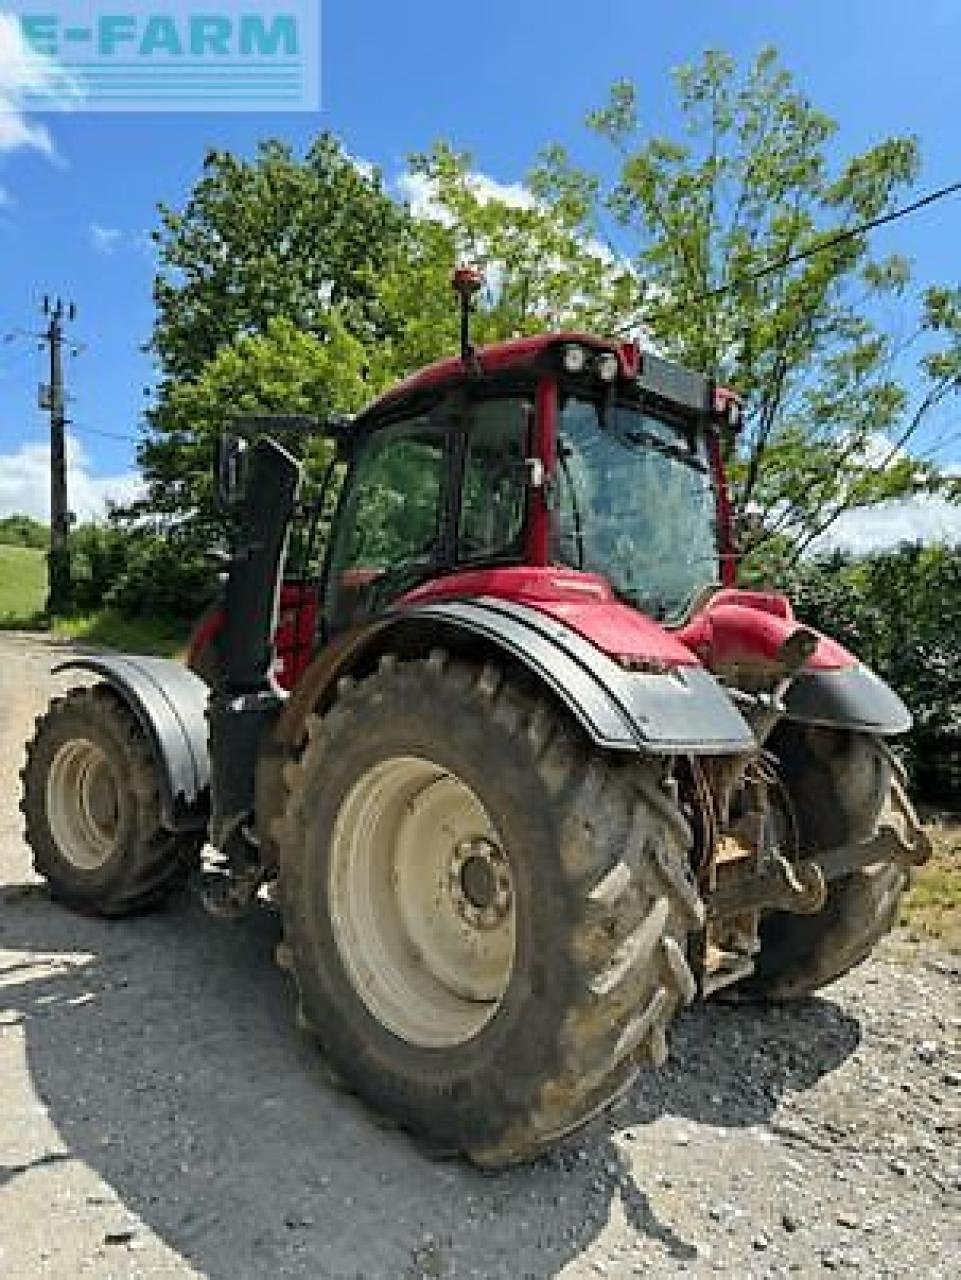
(652, 708)
(170, 703)
(658, 710)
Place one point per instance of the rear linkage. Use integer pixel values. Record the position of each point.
(749, 867)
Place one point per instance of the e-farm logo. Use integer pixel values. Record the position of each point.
(170, 55)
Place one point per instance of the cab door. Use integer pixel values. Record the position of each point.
(394, 526)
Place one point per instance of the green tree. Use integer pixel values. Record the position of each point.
(544, 268)
(751, 183)
(279, 371)
(267, 299)
(24, 531)
(901, 613)
(675, 248)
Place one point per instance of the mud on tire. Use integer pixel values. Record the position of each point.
(601, 905)
(840, 783)
(91, 806)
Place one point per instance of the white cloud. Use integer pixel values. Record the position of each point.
(365, 168)
(420, 192)
(25, 483)
(110, 240)
(24, 71)
(105, 240)
(921, 519)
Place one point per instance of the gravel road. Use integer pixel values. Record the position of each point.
(160, 1116)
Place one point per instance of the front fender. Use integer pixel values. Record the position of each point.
(849, 698)
(170, 703)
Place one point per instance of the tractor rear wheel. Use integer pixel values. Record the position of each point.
(840, 783)
(92, 808)
(485, 916)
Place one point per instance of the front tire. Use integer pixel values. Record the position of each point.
(486, 917)
(840, 784)
(91, 805)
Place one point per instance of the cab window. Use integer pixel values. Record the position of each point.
(494, 493)
(391, 520)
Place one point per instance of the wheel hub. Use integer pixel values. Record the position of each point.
(83, 804)
(480, 882)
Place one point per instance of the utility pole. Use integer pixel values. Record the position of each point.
(52, 397)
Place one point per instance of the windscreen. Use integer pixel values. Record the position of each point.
(636, 504)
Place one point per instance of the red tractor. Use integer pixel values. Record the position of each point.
(529, 771)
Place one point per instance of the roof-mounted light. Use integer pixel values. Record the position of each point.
(728, 407)
(608, 366)
(574, 358)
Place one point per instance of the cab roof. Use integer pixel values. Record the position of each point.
(518, 355)
(671, 382)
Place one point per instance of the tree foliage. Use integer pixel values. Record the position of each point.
(137, 572)
(901, 613)
(24, 531)
(677, 246)
(751, 183)
(268, 299)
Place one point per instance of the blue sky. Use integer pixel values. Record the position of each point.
(500, 79)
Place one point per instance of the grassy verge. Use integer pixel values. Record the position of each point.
(932, 907)
(165, 637)
(23, 586)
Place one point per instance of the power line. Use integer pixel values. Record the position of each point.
(97, 431)
(840, 237)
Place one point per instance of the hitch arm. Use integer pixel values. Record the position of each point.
(802, 888)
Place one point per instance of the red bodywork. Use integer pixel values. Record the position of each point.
(518, 354)
(734, 628)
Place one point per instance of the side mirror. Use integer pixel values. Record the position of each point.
(229, 469)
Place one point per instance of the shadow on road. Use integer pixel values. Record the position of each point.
(170, 1064)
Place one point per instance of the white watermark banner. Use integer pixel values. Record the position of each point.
(162, 55)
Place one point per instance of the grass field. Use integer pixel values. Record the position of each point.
(164, 637)
(23, 592)
(23, 585)
(932, 907)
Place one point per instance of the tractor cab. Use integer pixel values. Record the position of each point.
(560, 452)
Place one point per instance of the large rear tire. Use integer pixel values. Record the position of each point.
(486, 917)
(840, 784)
(91, 804)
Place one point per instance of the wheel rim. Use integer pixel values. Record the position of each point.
(422, 902)
(83, 807)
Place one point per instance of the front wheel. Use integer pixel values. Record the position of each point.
(91, 804)
(840, 783)
(486, 917)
